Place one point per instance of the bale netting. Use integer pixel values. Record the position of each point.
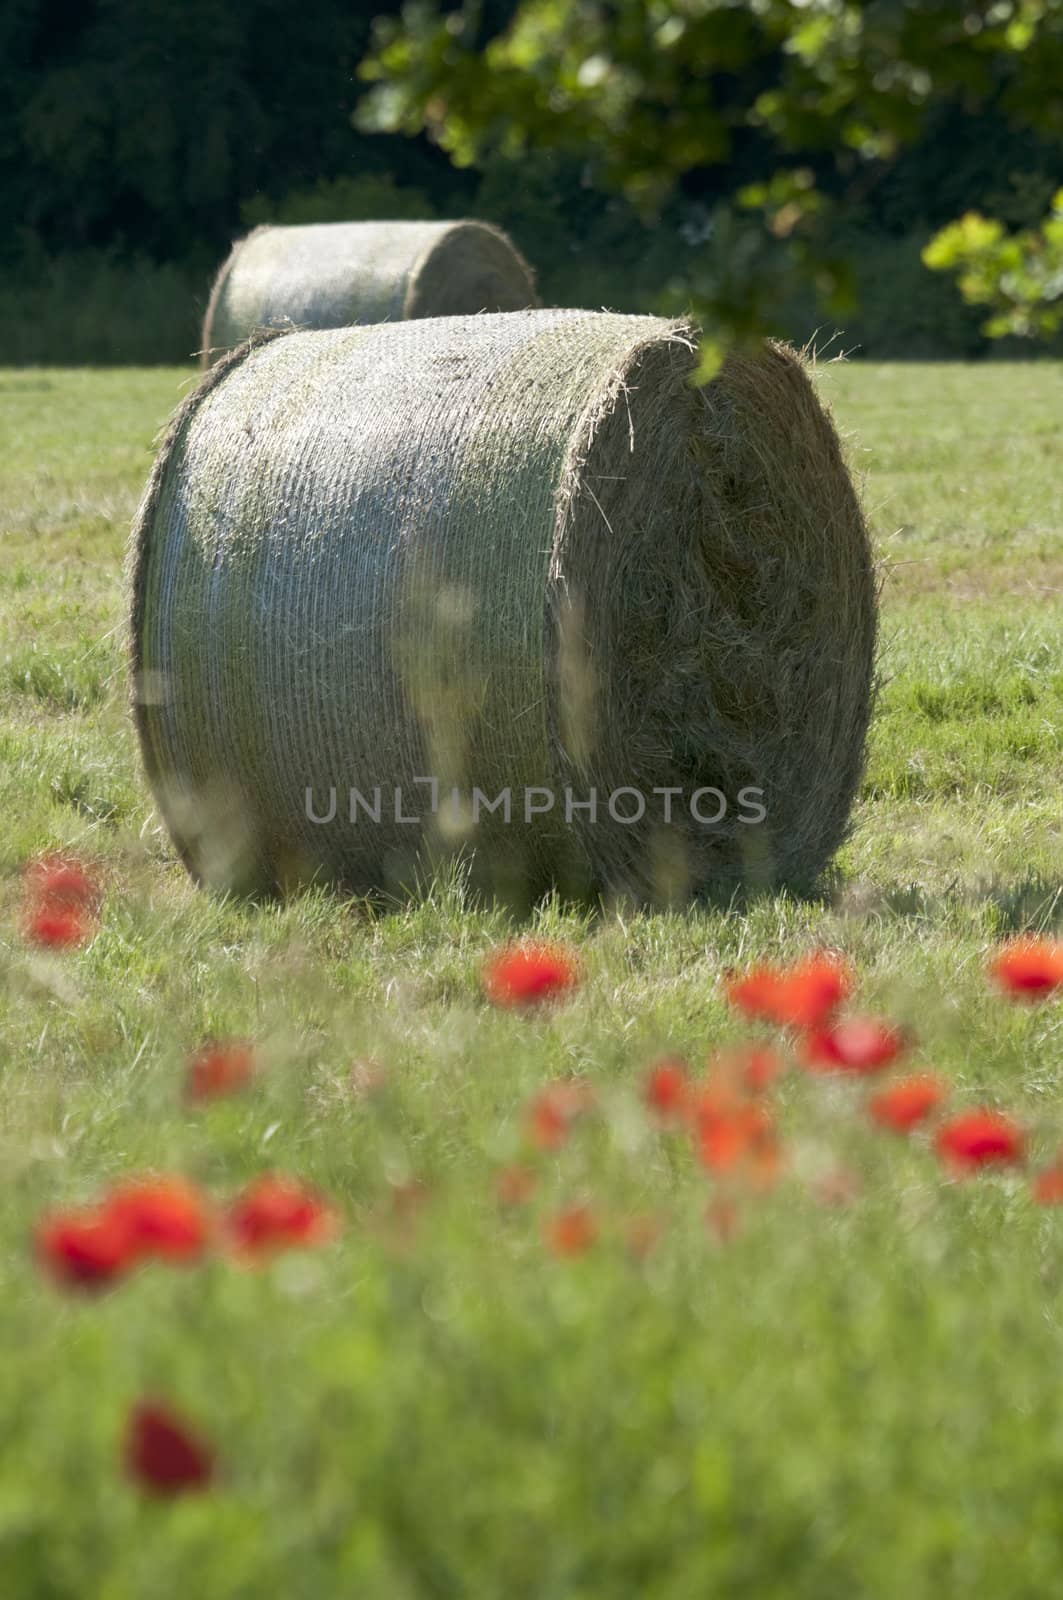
(505, 586)
(333, 274)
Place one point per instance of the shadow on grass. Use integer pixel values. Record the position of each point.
(1029, 904)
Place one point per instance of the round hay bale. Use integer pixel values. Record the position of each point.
(517, 554)
(333, 274)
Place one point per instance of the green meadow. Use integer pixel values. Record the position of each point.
(855, 1393)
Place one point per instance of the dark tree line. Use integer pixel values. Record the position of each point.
(149, 132)
(143, 125)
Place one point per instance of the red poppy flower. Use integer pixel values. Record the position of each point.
(761, 1068)
(813, 990)
(1029, 968)
(61, 902)
(732, 1086)
(980, 1138)
(906, 1103)
(801, 996)
(753, 1068)
(721, 1096)
(279, 1213)
(63, 880)
(855, 1044)
(528, 973)
(667, 1087)
(515, 1185)
(571, 1232)
(742, 1142)
(1048, 1186)
(553, 1111)
(163, 1454)
(166, 1217)
(85, 1249)
(57, 927)
(220, 1069)
(756, 992)
(722, 1141)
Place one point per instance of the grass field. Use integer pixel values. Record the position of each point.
(850, 1399)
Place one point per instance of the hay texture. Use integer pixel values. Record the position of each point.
(502, 552)
(330, 275)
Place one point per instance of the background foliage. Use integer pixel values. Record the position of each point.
(137, 138)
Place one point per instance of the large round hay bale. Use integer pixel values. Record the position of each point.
(512, 554)
(333, 274)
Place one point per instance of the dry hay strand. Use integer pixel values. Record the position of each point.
(505, 552)
(333, 274)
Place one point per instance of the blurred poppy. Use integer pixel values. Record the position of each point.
(761, 1068)
(742, 1142)
(554, 1109)
(86, 1249)
(723, 1141)
(721, 1094)
(854, 1044)
(570, 1232)
(61, 902)
(530, 972)
(57, 927)
(166, 1217)
(800, 996)
(754, 1068)
(1048, 1186)
(220, 1069)
(980, 1138)
(908, 1102)
(514, 1185)
(666, 1089)
(63, 880)
(755, 992)
(163, 1454)
(1029, 968)
(279, 1213)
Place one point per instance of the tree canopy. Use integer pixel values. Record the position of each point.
(798, 107)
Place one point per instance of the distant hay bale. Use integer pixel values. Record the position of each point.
(333, 274)
(508, 553)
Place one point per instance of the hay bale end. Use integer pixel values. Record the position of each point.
(330, 275)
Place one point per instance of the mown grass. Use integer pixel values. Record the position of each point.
(853, 1400)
